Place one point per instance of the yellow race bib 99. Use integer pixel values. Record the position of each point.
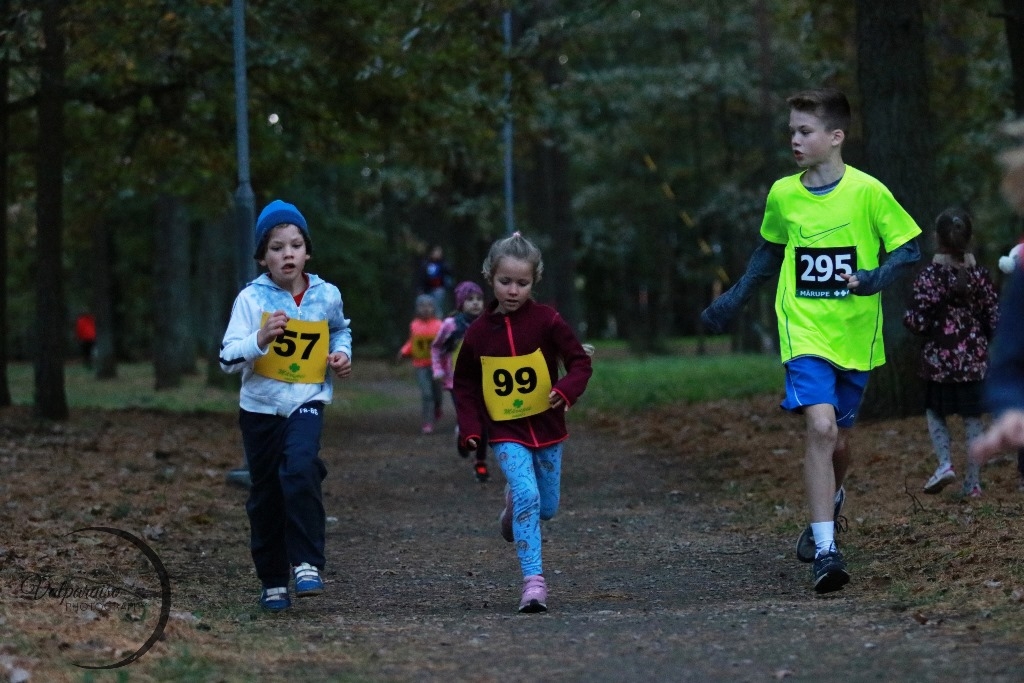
(515, 386)
(299, 355)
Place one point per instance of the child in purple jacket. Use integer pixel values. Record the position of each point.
(444, 350)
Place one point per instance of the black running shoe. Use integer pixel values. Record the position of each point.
(829, 571)
(805, 546)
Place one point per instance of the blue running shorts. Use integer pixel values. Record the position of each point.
(811, 380)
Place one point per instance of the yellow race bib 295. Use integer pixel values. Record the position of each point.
(299, 355)
(515, 386)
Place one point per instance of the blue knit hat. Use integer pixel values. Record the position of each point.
(276, 213)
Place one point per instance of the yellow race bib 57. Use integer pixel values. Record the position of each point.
(515, 386)
(299, 355)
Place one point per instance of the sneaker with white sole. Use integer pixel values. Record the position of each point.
(506, 517)
(307, 580)
(535, 595)
(829, 572)
(943, 475)
(806, 549)
(275, 599)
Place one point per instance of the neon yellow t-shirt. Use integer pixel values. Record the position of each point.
(840, 232)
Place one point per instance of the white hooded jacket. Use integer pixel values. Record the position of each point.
(239, 350)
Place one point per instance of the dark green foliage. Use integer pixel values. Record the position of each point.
(383, 122)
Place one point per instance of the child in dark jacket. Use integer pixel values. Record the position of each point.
(507, 386)
(955, 309)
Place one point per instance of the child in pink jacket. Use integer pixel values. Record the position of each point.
(469, 303)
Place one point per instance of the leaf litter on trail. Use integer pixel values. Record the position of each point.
(956, 556)
(930, 558)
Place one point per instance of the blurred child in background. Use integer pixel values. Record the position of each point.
(955, 309)
(469, 303)
(422, 330)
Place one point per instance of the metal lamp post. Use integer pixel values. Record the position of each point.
(245, 267)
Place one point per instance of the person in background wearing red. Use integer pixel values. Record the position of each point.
(85, 335)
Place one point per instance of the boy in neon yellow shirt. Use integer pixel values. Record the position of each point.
(823, 229)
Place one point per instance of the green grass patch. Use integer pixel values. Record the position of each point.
(634, 384)
(134, 388)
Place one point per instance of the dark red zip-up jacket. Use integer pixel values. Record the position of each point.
(533, 326)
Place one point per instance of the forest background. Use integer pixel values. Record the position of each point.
(645, 138)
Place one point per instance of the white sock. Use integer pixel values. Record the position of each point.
(824, 536)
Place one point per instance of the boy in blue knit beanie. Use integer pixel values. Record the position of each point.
(287, 329)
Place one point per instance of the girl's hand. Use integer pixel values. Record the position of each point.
(271, 329)
(851, 280)
(1006, 433)
(471, 444)
(340, 364)
(556, 401)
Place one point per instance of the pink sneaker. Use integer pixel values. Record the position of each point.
(535, 595)
(427, 428)
(506, 517)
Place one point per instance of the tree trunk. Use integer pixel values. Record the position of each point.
(5, 390)
(103, 299)
(1013, 13)
(173, 351)
(218, 293)
(551, 212)
(549, 198)
(51, 318)
(898, 151)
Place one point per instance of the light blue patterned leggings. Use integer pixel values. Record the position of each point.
(534, 477)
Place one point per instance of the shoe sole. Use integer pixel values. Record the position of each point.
(275, 608)
(277, 605)
(309, 591)
(533, 607)
(805, 548)
(940, 484)
(832, 581)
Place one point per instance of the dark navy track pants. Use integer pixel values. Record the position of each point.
(285, 506)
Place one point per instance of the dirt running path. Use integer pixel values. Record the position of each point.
(655, 573)
(646, 581)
